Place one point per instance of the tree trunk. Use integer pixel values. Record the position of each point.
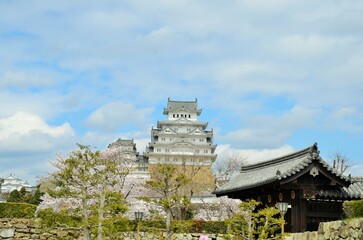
(86, 230)
(168, 209)
(102, 199)
(168, 223)
(86, 233)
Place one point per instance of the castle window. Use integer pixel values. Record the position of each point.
(177, 115)
(162, 139)
(189, 115)
(196, 151)
(167, 150)
(205, 151)
(158, 150)
(173, 115)
(201, 140)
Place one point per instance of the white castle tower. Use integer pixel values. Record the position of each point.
(183, 140)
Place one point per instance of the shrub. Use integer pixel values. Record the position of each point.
(152, 225)
(124, 225)
(182, 226)
(353, 209)
(17, 210)
(50, 219)
(214, 227)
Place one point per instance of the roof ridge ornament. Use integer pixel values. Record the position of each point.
(314, 152)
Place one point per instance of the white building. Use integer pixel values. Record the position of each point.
(127, 151)
(11, 183)
(181, 138)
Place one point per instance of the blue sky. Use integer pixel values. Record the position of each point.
(271, 77)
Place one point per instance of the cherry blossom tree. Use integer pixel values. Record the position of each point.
(88, 178)
(226, 167)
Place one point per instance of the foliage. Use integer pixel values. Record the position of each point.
(152, 224)
(24, 196)
(15, 196)
(353, 209)
(254, 221)
(186, 226)
(17, 210)
(88, 178)
(182, 226)
(212, 226)
(51, 219)
(167, 182)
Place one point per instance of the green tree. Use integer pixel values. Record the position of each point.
(167, 182)
(255, 222)
(88, 177)
(15, 196)
(36, 197)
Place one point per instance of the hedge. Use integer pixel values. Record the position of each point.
(178, 226)
(353, 209)
(17, 210)
(50, 219)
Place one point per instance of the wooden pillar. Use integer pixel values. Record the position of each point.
(302, 211)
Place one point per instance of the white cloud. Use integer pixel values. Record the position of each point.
(116, 114)
(257, 155)
(312, 45)
(28, 143)
(21, 79)
(237, 71)
(345, 112)
(270, 131)
(355, 169)
(24, 132)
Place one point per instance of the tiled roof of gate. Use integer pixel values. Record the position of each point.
(276, 169)
(355, 190)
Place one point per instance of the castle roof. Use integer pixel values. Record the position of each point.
(122, 142)
(174, 106)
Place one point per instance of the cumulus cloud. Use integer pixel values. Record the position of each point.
(116, 114)
(25, 132)
(28, 143)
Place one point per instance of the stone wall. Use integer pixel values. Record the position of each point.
(26, 229)
(21, 229)
(350, 229)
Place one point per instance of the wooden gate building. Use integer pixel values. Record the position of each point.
(313, 189)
